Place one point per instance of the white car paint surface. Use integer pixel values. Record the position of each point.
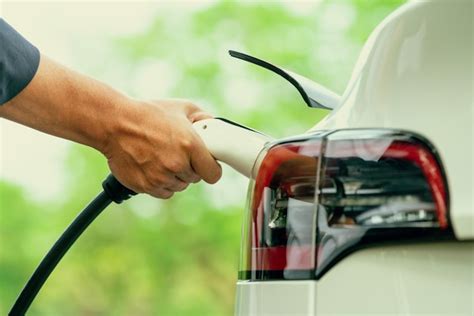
(415, 74)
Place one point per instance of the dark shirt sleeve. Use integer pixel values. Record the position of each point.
(19, 62)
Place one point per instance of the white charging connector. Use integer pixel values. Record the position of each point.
(231, 143)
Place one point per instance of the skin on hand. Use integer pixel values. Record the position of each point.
(151, 147)
(154, 149)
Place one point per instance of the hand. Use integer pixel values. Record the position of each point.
(152, 147)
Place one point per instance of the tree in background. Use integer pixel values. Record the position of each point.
(179, 257)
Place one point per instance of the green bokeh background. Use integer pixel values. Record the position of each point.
(179, 257)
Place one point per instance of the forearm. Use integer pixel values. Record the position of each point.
(150, 146)
(61, 102)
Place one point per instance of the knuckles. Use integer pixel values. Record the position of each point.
(157, 180)
(187, 144)
(175, 166)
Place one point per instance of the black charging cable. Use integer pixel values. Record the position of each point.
(113, 191)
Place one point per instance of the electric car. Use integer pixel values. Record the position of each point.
(371, 212)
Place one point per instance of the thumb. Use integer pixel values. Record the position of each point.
(199, 115)
(204, 164)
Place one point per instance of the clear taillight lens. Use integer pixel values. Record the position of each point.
(318, 198)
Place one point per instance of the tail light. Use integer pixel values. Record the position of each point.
(316, 199)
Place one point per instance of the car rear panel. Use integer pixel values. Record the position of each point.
(416, 279)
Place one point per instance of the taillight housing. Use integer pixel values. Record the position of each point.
(319, 197)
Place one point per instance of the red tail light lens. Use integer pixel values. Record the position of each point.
(318, 198)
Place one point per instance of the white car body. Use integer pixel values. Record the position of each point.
(415, 74)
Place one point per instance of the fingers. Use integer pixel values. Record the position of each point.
(161, 161)
(161, 193)
(202, 161)
(204, 164)
(166, 189)
(179, 168)
(188, 176)
(164, 183)
(177, 185)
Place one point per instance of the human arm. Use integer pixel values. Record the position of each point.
(150, 146)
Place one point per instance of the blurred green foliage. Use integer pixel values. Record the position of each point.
(179, 257)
